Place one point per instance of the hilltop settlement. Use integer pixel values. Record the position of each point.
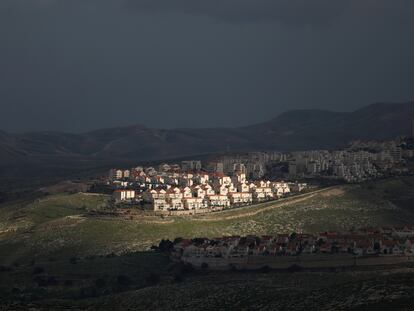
(185, 189)
(232, 180)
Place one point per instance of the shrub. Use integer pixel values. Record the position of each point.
(100, 283)
(5, 269)
(188, 268)
(42, 282)
(152, 279)
(294, 268)
(68, 283)
(51, 280)
(177, 240)
(178, 278)
(123, 280)
(165, 246)
(38, 270)
(232, 267)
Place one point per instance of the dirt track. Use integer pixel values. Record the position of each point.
(247, 212)
(241, 212)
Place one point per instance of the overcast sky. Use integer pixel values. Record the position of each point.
(76, 65)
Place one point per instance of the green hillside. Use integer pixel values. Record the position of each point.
(274, 291)
(59, 224)
(55, 251)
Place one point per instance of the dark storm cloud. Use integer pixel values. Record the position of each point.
(76, 65)
(290, 12)
(287, 12)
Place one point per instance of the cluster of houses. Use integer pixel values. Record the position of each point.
(196, 192)
(367, 242)
(214, 192)
(360, 161)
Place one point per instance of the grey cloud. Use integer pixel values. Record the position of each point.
(288, 12)
(299, 13)
(76, 65)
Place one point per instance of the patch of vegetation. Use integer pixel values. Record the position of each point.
(60, 228)
(273, 291)
(53, 248)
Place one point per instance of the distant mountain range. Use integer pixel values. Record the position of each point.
(292, 130)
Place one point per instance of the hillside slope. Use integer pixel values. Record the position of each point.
(303, 129)
(59, 256)
(60, 224)
(294, 130)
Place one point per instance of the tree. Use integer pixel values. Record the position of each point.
(51, 280)
(232, 267)
(68, 283)
(123, 280)
(178, 278)
(294, 268)
(188, 268)
(152, 279)
(197, 241)
(41, 281)
(38, 270)
(320, 242)
(100, 283)
(177, 240)
(166, 246)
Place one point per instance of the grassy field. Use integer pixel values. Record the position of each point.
(275, 291)
(59, 225)
(53, 248)
(352, 290)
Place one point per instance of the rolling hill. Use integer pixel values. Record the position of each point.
(61, 223)
(293, 130)
(57, 253)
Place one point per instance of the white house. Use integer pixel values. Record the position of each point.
(218, 202)
(123, 195)
(208, 189)
(175, 204)
(199, 192)
(243, 187)
(151, 195)
(201, 179)
(195, 203)
(222, 190)
(174, 193)
(160, 205)
(186, 192)
(239, 178)
(240, 197)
